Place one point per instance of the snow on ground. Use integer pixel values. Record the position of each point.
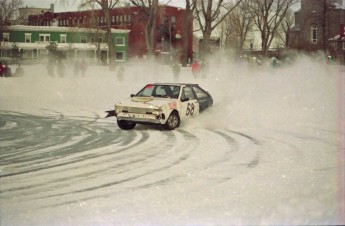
(270, 150)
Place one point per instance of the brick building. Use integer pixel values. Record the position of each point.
(168, 34)
(317, 24)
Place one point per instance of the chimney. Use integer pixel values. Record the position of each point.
(52, 7)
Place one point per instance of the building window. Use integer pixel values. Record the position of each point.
(28, 37)
(100, 40)
(63, 38)
(119, 56)
(314, 30)
(44, 37)
(92, 40)
(6, 37)
(83, 39)
(120, 41)
(113, 20)
(173, 20)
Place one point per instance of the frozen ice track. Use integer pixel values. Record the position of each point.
(56, 161)
(69, 151)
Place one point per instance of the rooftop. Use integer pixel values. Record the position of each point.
(60, 29)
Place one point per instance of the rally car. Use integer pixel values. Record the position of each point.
(164, 104)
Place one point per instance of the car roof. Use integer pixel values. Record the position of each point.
(176, 84)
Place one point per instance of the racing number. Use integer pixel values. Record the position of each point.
(190, 109)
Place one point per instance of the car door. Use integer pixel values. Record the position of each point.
(189, 104)
(204, 99)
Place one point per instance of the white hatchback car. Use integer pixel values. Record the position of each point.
(161, 103)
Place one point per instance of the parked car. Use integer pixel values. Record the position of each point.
(163, 104)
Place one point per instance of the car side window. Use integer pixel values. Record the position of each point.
(200, 93)
(187, 93)
(175, 91)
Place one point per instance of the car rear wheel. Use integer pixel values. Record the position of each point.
(173, 121)
(126, 125)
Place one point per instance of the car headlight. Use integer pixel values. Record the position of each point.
(118, 108)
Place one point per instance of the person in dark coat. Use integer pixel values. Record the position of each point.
(2, 70)
(7, 71)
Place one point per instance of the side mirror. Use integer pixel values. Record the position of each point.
(185, 99)
(132, 95)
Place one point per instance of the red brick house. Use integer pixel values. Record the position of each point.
(168, 35)
(318, 27)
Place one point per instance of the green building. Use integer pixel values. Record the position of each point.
(82, 43)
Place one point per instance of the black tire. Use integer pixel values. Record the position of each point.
(173, 121)
(126, 125)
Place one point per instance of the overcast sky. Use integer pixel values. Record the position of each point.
(72, 5)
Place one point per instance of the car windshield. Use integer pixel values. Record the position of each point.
(166, 91)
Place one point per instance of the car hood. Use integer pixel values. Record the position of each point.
(145, 102)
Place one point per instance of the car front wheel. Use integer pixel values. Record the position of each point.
(173, 121)
(126, 125)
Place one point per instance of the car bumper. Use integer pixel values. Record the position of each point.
(141, 118)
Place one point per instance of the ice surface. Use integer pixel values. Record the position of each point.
(268, 152)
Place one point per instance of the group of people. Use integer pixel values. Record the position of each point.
(5, 70)
(198, 68)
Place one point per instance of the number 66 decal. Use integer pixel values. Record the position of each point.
(190, 109)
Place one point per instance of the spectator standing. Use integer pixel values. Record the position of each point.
(61, 68)
(7, 71)
(83, 67)
(196, 68)
(19, 71)
(76, 68)
(176, 70)
(2, 70)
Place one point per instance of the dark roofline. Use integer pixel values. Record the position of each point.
(124, 7)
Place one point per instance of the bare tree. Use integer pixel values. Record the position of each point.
(236, 26)
(106, 7)
(268, 16)
(285, 27)
(187, 28)
(209, 14)
(8, 9)
(149, 10)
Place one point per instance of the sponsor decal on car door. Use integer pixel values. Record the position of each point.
(190, 106)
